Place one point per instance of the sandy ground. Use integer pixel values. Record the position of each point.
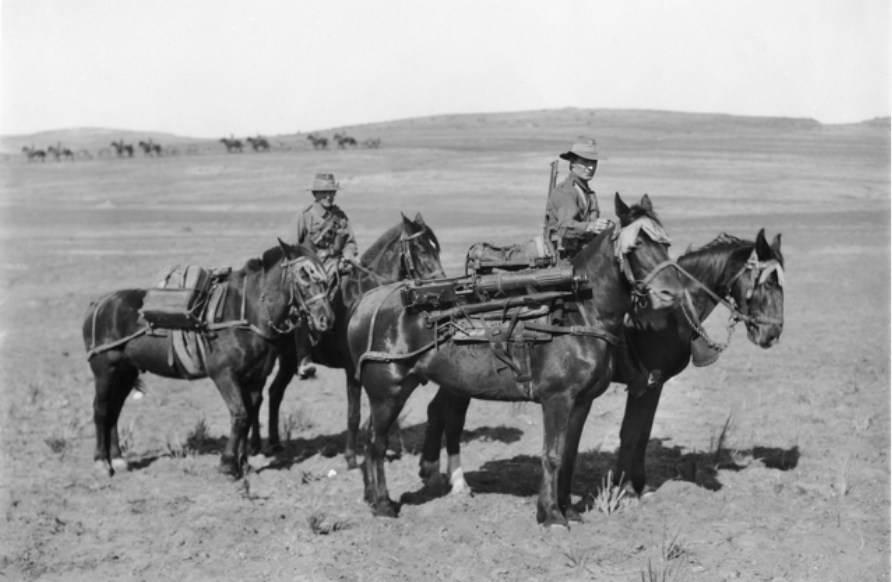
(799, 490)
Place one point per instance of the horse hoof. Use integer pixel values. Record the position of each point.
(119, 464)
(459, 485)
(272, 449)
(551, 520)
(573, 515)
(104, 468)
(437, 485)
(229, 471)
(386, 509)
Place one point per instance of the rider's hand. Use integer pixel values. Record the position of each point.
(599, 225)
(345, 265)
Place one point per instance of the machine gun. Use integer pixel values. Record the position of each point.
(484, 291)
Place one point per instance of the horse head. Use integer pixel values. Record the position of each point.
(640, 247)
(420, 250)
(304, 274)
(758, 291)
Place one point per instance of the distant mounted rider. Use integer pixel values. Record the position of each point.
(572, 216)
(325, 228)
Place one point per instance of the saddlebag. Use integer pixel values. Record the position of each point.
(179, 299)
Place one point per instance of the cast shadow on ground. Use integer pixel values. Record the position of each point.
(520, 475)
(401, 439)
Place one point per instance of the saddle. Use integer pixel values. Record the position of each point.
(184, 306)
(509, 309)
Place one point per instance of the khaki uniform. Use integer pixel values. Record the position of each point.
(570, 207)
(328, 233)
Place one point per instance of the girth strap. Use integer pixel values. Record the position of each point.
(577, 330)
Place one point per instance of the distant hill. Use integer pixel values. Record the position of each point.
(548, 129)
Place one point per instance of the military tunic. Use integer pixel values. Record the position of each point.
(327, 232)
(571, 206)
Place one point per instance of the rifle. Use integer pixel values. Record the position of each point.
(546, 239)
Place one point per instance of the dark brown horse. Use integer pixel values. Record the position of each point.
(232, 144)
(394, 350)
(409, 250)
(344, 141)
(122, 149)
(150, 148)
(746, 276)
(34, 154)
(260, 306)
(258, 144)
(319, 142)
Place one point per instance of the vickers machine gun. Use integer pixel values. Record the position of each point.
(491, 291)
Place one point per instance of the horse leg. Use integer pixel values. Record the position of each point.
(287, 367)
(254, 440)
(430, 450)
(445, 417)
(113, 382)
(234, 457)
(634, 435)
(455, 424)
(575, 424)
(555, 414)
(354, 401)
(383, 414)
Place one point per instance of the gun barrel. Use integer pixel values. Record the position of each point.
(535, 278)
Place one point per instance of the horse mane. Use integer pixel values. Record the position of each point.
(384, 241)
(713, 257)
(269, 258)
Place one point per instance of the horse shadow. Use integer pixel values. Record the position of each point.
(520, 475)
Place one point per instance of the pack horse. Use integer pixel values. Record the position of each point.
(229, 325)
(745, 276)
(564, 355)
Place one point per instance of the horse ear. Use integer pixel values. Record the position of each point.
(762, 248)
(646, 203)
(776, 244)
(418, 219)
(285, 248)
(619, 206)
(408, 225)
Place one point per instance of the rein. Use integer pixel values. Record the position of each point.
(405, 255)
(762, 270)
(295, 316)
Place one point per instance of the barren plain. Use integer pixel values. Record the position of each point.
(797, 488)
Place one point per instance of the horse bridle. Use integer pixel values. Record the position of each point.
(300, 272)
(406, 258)
(641, 287)
(760, 271)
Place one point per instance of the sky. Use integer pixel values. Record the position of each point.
(206, 68)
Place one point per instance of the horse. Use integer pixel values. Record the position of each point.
(408, 250)
(344, 141)
(232, 144)
(34, 154)
(372, 143)
(744, 275)
(262, 304)
(149, 148)
(122, 149)
(258, 144)
(319, 143)
(60, 152)
(394, 350)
